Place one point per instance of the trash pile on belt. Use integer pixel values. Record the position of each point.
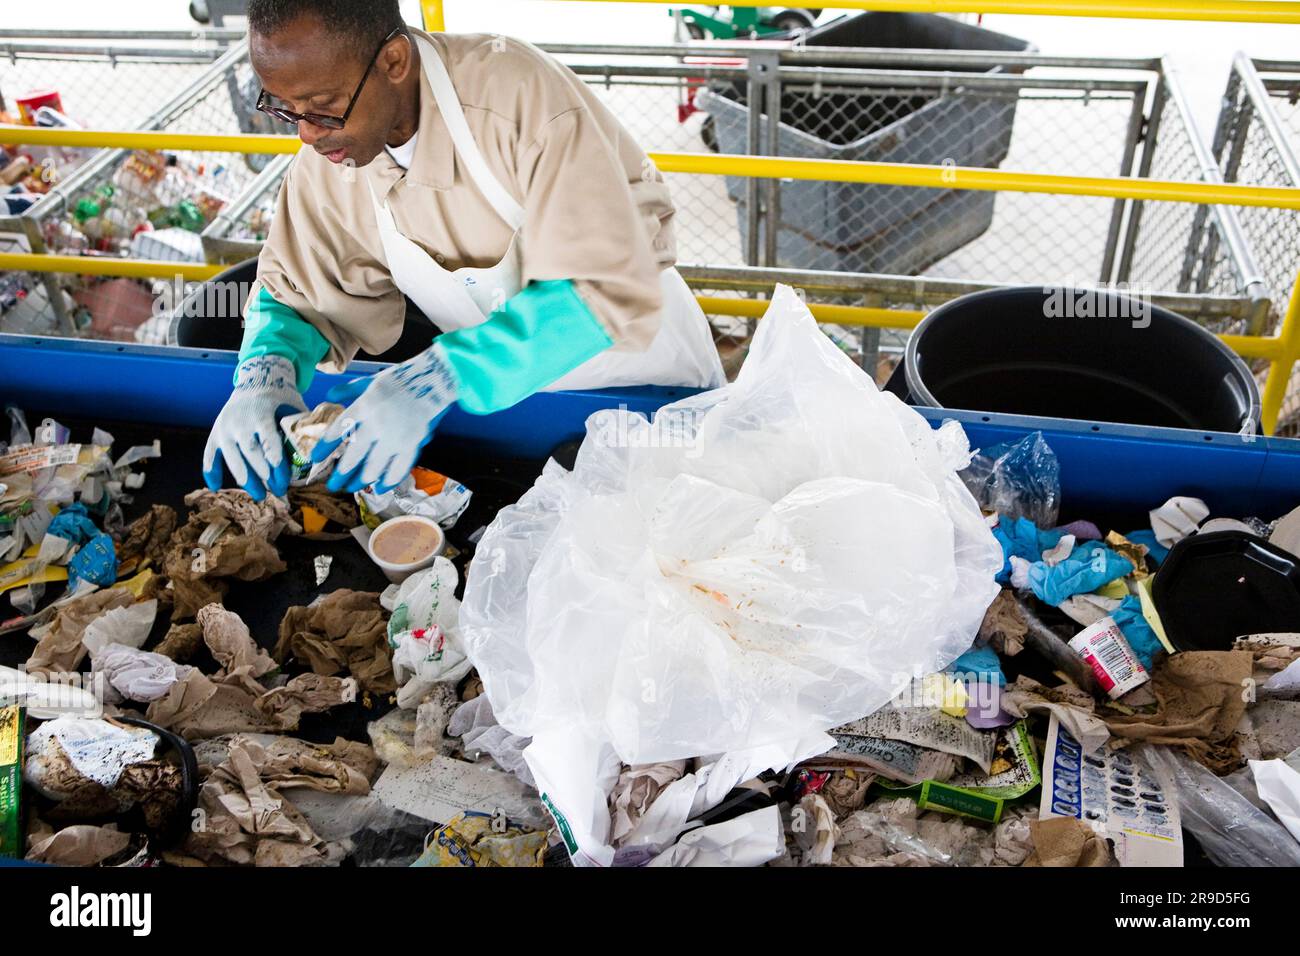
(785, 623)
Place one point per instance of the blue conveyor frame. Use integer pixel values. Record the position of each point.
(1104, 466)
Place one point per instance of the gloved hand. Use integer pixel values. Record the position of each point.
(247, 433)
(391, 417)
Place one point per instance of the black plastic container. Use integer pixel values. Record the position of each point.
(1081, 354)
(1213, 588)
(214, 321)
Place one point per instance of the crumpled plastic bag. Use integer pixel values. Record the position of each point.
(1231, 830)
(1019, 480)
(766, 561)
(423, 631)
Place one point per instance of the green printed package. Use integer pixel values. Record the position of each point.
(11, 779)
(1014, 773)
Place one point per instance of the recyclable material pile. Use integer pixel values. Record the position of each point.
(153, 206)
(784, 623)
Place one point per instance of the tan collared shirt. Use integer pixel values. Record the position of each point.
(597, 210)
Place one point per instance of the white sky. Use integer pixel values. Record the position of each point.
(1202, 52)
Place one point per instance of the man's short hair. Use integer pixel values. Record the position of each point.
(362, 25)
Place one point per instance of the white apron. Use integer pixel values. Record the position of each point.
(682, 352)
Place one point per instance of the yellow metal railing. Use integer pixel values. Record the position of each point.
(434, 21)
(757, 167)
(1229, 11)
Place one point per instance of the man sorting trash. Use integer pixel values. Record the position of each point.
(483, 180)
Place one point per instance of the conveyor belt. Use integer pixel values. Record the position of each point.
(495, 484)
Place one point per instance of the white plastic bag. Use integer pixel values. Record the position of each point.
(422, 631)
(764, 562)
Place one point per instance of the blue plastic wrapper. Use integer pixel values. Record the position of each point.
(1156, 551)
(981, 660)
(95, 562)
(1133, 625)
(1021, 538)
(1089, 566)
(74, 524)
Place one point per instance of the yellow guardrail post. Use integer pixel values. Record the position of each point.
(1279, 370)
(434, 18)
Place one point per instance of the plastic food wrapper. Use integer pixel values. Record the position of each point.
(477, 839)
(422, 631)
(422, 492)
(1230, 829)
(1018, 480)
(1120, 794)
(302, 433)
(13, 719)
(772, 559)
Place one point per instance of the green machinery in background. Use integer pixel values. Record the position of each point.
(724, 22)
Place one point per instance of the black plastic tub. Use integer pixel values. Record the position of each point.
(1082, 354)
(205, 320)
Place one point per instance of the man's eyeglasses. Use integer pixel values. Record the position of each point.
(319, 119)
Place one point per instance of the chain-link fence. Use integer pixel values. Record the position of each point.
(1067, 116)
(148, 205)
(1100, 118)
(1256, 141)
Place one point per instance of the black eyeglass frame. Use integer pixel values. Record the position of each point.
(321, 119)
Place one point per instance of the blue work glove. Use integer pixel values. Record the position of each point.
(391, 416)
(246, 435)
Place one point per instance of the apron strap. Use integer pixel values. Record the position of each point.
(444, 93)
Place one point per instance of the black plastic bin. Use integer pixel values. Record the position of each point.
(1081, 354)
(208, 319)
(856, 227)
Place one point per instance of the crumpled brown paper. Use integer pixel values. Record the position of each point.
(1131, 550)
(1065, 841)
(59, 648)
(635, 790)
(78, 845)
(1200, 696)
(248, 820)
(244, 548)
(259, 519)
(234, 700)
(146, 539)
(337, 509)
(231, 644)
(181, 642)
(1073, 707)
(814, 830)
(345, 632)
(1003, 626)
(199, 706)
(845, 793)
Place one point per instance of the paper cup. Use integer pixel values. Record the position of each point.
(401, 546)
